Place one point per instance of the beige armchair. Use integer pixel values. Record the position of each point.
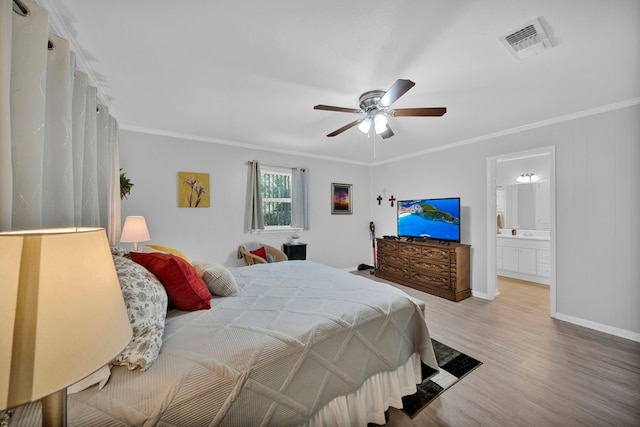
(273, 254)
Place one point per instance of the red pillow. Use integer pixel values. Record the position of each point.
(261, 252)
(184, 286)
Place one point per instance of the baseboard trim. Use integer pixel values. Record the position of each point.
(622, 333)
(482, 295)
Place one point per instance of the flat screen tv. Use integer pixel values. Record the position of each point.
(435, 219)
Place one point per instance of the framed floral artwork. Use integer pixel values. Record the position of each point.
(341, 198)
(193, 190)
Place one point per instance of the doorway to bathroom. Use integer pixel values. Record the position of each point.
(521, 220)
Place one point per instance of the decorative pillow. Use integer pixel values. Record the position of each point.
(184, 286)
(120, 251)
(261, 252)
(218, 279)
(146, 302)
(166, 250)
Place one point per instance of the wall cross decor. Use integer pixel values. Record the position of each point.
(379, 199)
(392, 199)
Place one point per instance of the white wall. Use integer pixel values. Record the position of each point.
(597, 208)
(152, 162)
(597, 192)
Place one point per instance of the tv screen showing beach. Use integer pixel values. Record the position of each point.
(437, 219)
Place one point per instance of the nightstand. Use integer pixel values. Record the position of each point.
(297, 251)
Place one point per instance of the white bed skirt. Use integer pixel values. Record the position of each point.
(368, 403)
(365, 405)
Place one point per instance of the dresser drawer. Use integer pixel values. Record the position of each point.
(430, 268)
(428, 279)
(387, 245)
(395, 270)
(409, 250)
(393, 258)
(434, 254)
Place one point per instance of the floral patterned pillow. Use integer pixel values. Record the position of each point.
(120, 251)
(146, 302)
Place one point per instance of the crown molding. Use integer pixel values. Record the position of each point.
(585, 113)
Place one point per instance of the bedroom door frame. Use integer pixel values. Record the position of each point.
(492, 240)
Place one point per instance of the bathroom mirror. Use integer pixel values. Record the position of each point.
(524, 206)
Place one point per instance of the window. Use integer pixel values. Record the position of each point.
(276, 197)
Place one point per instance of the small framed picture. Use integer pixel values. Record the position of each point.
(193, 190)
(341, 198)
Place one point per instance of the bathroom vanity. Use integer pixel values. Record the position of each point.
(525, 255)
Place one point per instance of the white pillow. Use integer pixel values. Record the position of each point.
(218, 279)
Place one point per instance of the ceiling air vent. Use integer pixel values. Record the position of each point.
(530, 39)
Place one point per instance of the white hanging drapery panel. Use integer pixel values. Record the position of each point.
(59, 161)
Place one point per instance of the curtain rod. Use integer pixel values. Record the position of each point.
(20, 8)
(250, 162)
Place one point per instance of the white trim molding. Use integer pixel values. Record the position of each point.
(623, 333)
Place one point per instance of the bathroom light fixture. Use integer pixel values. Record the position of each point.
(527, 177)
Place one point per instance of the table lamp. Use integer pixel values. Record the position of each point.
(62, 318)
(135, 230)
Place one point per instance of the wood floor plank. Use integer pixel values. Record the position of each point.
(537, 371)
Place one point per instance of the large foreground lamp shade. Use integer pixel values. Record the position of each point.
(62, 317)
(135, 230)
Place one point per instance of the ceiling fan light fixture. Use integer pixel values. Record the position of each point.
(365, 125)
(380, 121)
(527, 177)
(375, 106)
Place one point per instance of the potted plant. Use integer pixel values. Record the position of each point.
(125, 185)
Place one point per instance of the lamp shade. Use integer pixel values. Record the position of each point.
(135, 230)
(63, 315)
(365, 125)
(380, 121)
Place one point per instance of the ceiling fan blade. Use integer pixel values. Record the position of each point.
(387, 133)
(341, 109)
(418, 112)
(345, 127)
(399, 88)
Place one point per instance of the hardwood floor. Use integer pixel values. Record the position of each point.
(537, 371)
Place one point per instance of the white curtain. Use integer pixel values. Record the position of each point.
(254, 219)
(59, 161)
(300, 198)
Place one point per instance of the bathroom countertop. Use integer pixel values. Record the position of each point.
(523, 237)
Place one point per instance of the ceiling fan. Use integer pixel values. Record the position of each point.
(375, 108)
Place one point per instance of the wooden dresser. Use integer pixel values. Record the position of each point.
(431, 267)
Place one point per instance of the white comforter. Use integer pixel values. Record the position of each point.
(297, 335)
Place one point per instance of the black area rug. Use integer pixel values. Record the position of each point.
(453, 366)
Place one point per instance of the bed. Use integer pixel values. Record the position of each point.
(299, 343)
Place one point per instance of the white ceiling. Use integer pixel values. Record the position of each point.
(249, 72)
